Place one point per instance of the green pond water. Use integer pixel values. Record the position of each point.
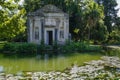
(59, 62)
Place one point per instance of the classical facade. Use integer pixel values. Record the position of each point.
(49, 24)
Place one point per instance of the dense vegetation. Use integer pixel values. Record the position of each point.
(17, 49)
(91, 21)
(12, 20)
(94, 20)
(29, 49)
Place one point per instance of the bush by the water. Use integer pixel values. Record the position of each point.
(80, 47)
(32, 49)
(20, 48)
(114, 37)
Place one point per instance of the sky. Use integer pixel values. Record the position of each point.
(21, 2)
(118, 1)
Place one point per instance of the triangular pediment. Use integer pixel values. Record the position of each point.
(46, 9)
(51, 8)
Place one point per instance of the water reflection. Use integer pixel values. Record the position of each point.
(38, 57)
(43, 62)
(1, 69)
(46, 57)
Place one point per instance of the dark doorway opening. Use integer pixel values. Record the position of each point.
(50, 37)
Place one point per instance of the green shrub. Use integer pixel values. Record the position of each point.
(2, 43)
(93, 48)
(20, 48)
(41, 47)
(55, 47)
(79, 47)
(114, 37)
(10, 48)
(113, 52)
(27, 49)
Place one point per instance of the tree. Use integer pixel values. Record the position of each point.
(36, 4)
(12, 21)
(93, 15)
(118, 23)
(110, 13)
(84, 15)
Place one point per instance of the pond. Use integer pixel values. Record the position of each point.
(47, 63)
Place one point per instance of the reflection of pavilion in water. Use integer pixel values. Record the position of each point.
(1, 68)
(58, 58)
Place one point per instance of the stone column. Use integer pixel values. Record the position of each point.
(56, 29)
(33, 26)
(56, 34)
(42, 29)
(28, 29)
